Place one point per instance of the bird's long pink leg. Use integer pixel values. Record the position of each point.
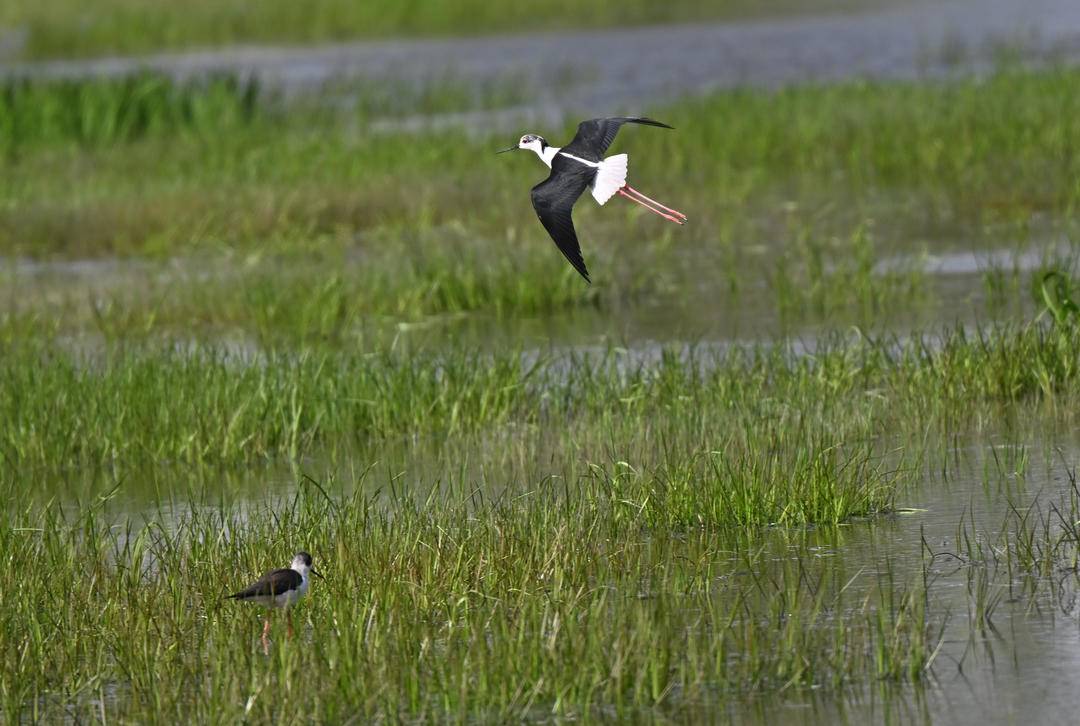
(265, 638)
(655, 203)
(651, 208)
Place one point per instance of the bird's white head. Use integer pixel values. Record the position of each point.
(536, 143)
(533, 142)
(301, 562)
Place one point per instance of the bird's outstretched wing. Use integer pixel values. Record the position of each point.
(272, 583)
(553, 199)
(595, 135)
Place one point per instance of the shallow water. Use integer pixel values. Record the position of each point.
(959, 290)
(1021, 670)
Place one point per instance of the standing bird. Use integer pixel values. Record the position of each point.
(581, 165)
(279, 589)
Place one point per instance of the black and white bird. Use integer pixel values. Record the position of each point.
(279, 589)
(581, 165)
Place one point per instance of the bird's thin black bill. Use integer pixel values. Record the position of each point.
(503, 151)
(317, 574)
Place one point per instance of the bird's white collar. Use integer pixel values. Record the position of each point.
(547, 154)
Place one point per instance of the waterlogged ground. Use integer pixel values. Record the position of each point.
(1002, 630)
(810, 459)
(959, 288)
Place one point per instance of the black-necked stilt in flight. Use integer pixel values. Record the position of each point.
(581, 165)
(279, 589)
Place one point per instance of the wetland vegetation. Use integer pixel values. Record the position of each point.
(233, 327)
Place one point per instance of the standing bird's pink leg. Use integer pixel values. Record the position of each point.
(266, 636)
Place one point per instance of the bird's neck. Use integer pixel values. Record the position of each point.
(547, 154)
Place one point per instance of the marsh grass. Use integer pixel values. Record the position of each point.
(752, 436)
(117, 111)
(821, 279)
(1055, 290)
(441, 608)
(101, 112)
(307, 197)
(691, 466)
(604, 535)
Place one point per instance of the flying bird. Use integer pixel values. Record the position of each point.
(581, 165)
(279, 589)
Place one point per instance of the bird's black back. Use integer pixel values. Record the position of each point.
(595, 135)
(272, 583)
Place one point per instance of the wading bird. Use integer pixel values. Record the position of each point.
(279, 589)
(581, 165)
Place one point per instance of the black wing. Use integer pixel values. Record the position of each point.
(553, 199)
(272, 583)
(595, 135)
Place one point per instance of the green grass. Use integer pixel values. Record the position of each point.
(981, 151)
(776, 438)
(104, 112)
(276, 202)
(63, 28)
(454, 609)
(212, 353)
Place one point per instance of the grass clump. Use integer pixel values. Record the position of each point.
(106, 112)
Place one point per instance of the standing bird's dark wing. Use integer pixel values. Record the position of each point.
(553, 199)
(595, 135)
(272, 583)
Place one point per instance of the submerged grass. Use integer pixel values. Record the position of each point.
(717, 463)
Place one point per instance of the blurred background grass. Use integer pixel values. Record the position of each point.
(69, 28)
